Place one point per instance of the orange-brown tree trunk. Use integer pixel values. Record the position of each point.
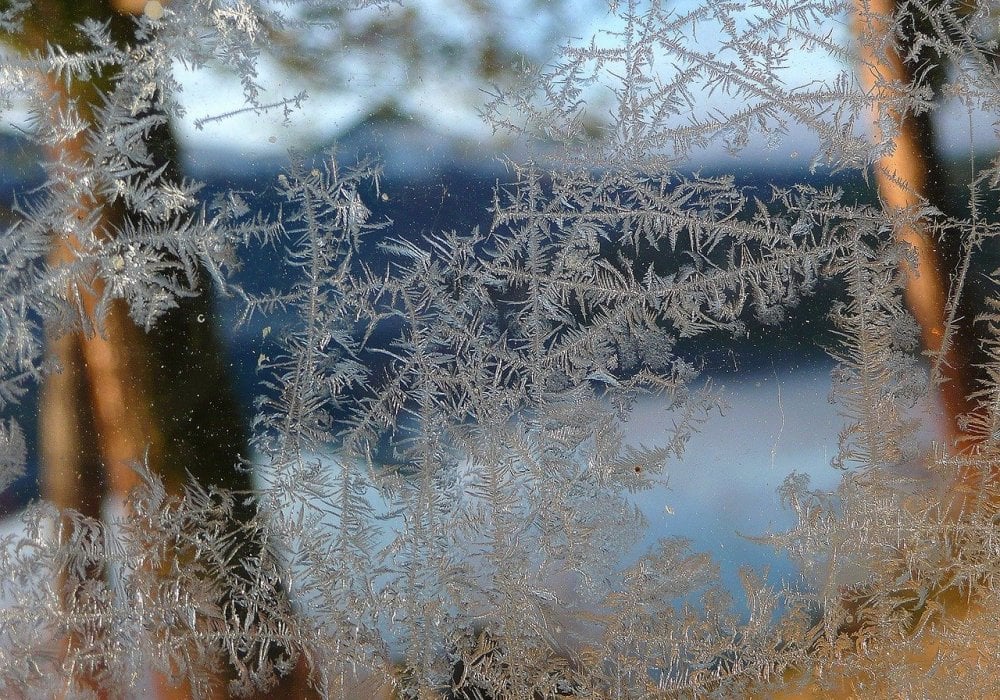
(125, 395)
(904, 176)
(908, 178)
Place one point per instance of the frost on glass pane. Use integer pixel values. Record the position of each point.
(443, 490)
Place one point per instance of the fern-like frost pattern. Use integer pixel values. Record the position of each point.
(445, 486)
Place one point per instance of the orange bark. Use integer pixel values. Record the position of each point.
(901, 176)
(904, 186)
(119, 397)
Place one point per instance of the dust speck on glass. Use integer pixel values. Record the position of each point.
(438, 490)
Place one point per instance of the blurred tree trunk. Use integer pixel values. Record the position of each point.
(125, 395)
(909, 177)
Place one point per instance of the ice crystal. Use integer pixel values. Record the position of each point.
(444, 485)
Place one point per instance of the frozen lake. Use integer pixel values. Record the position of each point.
(725, 486)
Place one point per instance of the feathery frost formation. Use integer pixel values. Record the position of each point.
(444, 478)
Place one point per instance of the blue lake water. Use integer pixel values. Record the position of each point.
(724, 489)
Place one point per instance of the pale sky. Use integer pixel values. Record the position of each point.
(448, 105)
